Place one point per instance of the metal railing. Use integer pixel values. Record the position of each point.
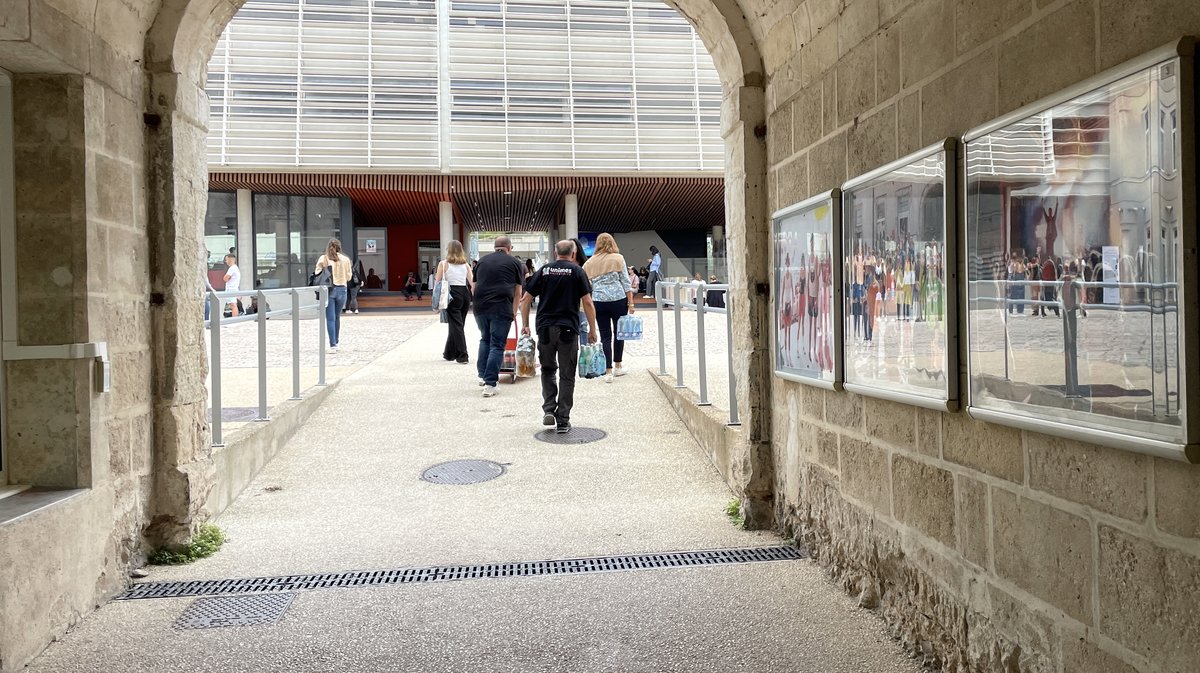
(695, 297)
(216, 306)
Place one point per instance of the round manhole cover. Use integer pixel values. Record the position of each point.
(573, 436)
(461, 472)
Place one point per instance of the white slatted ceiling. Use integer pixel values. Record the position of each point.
(534, 85)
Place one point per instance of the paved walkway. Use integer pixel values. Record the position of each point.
(346, 494)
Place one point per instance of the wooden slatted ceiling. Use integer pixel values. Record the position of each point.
(507, 202)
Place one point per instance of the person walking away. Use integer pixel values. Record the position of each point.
(560, 287)
(339, 268)
(498, 279)
(528, 268)
(233, 279)
(612, 295)
(1073, 298)
(455, 274)
(357, 278)
(654, 270)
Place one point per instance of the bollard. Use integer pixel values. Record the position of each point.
(662, 337)
(295, 344)
(322, 301)
(262, 356)
(678, 341)
(216, 311)
(703, 371)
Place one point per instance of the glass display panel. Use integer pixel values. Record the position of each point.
(895, 259)
(1074, 248)
(805, 347)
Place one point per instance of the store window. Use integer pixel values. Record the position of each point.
(290, 233)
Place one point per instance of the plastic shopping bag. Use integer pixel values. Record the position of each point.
(526, 358)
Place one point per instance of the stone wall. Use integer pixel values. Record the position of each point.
(986, 548)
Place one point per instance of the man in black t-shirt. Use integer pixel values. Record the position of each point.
(497, 294)
(560, 285)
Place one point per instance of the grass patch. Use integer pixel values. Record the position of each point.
(734, 511)
(204, 543)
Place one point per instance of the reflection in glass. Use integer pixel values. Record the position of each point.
(1073, 242)
(290, 233)
(804, 344)
(894, 244)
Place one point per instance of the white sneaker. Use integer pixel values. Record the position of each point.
(646, 296)
(619, 371)
(608, 378)
(489, 391)
(333, 350)
(482, 382)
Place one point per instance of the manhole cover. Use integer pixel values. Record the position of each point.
(461, 472)
(224, 611)
(574, 436)
(236, 414)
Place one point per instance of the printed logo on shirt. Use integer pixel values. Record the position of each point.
(558, 271)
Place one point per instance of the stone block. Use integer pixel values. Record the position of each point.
(124, 132)
(806, 118)
(960, 99)
(1129, 29)
(890, 422)
(779, 134)
(823, 13)
(1148, 599)
(120, 448)
(856, 83)
(820, 55)
(780, 44)
(992, 449)
(114, 190)
(829, 103)
(925, 40)
(1176, 491)
(891, 9)
(786, 81)
(827, 164)
(1056, 52)
(130, 379)
(923, 497)
(971, 520)
(123, 26)
(82, 12)
(1046, 551)
(887, 63)
(864, 474)
(871, 142)
(1037, 636)
(59, 36)
(979, 21)
(844, 410)
(929, 432)
(14, 20)
(859, 20)
(48, 419)
(1106, 479)
(1080, 655)
(812, 402)
(792, 179)
(803, 26)
(934, 563)
(908, 125)
(826, 446)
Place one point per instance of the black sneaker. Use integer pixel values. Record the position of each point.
(548, 419)
(562, 428)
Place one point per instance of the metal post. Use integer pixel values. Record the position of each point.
(662, 337)
(322, 300)
(295, 344)
(733, 402)
(262, 356)
(700, 308)
(678, 340)
(215, 311)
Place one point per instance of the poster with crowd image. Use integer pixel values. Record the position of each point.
(806, 295)
(1076, 226)
(897, 280)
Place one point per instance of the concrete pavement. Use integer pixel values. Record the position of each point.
(346, 495)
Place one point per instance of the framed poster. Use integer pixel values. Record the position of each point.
(1082, 276)
(807, 306)
(899, 277)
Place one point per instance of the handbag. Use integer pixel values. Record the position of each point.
(444, 294)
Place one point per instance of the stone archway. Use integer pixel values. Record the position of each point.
(178, 47)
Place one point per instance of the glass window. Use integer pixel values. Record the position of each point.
(1074, 245)
(805, 348)
(220, 227)
(895, 264)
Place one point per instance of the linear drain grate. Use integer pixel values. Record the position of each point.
(222, 611)
(461, 472)
(572, 436)
(364, 578)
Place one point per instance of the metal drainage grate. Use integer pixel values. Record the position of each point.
(366, 578)
(236, 414)
(573, 436)
(223, 611)
(461, 472)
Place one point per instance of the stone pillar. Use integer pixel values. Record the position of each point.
(571, 211)
(446, 224)
(245, 239)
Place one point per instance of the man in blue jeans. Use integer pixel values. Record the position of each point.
(498, 281)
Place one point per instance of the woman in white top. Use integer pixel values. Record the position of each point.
(339, 275)
(455, 276)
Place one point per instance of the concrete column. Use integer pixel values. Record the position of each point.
(245, 238)
(571, 209)
(446, 224)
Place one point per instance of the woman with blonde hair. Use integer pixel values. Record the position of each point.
(613, 296)
(339, 272)
(457, 280)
